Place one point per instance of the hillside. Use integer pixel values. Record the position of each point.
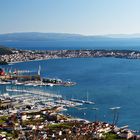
(5, 50)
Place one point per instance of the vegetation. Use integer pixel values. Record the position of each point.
(111, 136)
(3, 119)
(32, 122)
(3, 63)
(5, 50)
(59, 125)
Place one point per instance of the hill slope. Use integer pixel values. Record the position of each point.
(5, 50)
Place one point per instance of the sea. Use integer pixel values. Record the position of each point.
(109, 82)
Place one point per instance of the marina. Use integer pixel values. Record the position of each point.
(35, 100)
(41, 93)
(28, 109)
(41, 99)
(103, 98)
(83, 101)
(99, 89)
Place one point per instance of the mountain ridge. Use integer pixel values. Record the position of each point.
(38, 36)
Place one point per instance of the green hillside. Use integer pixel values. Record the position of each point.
(5, 50)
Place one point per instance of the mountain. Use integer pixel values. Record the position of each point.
(36, 36)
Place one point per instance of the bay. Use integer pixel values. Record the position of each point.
(131, 44)
(109, 82)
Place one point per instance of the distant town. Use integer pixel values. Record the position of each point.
(28, 55)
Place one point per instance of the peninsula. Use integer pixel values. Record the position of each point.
(28, 55)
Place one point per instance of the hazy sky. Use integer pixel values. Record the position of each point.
(70, 16)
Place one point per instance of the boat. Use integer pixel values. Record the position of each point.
(77, 100)
(82, 101)
(51, 85)
(81, 108)
(57, 82)
(4, 83)
(18, 83)
(87, 101)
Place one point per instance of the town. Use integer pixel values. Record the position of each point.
(29, 55)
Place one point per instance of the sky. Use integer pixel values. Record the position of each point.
(87, 17)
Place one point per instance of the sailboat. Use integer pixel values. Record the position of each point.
(87, 101)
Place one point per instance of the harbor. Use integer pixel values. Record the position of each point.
(26, 78)
(70, 70)
(63, 105)
(99, 92)
(35, 111)
(35, 100)
(32, 112)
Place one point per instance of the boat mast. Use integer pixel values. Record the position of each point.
(39, 69)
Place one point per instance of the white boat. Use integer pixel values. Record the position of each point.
(18, 83)
(51, 85)
(82, 101)
(77, 100)
(87, 101)
(5, 83)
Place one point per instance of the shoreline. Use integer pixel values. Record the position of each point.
(38, 55)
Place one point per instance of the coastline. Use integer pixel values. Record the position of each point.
(28, 55)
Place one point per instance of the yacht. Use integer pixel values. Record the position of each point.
(87, 101)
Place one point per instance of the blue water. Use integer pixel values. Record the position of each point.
(59, 45)
(109, 81)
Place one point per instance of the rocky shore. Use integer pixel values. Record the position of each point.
(28, 55)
